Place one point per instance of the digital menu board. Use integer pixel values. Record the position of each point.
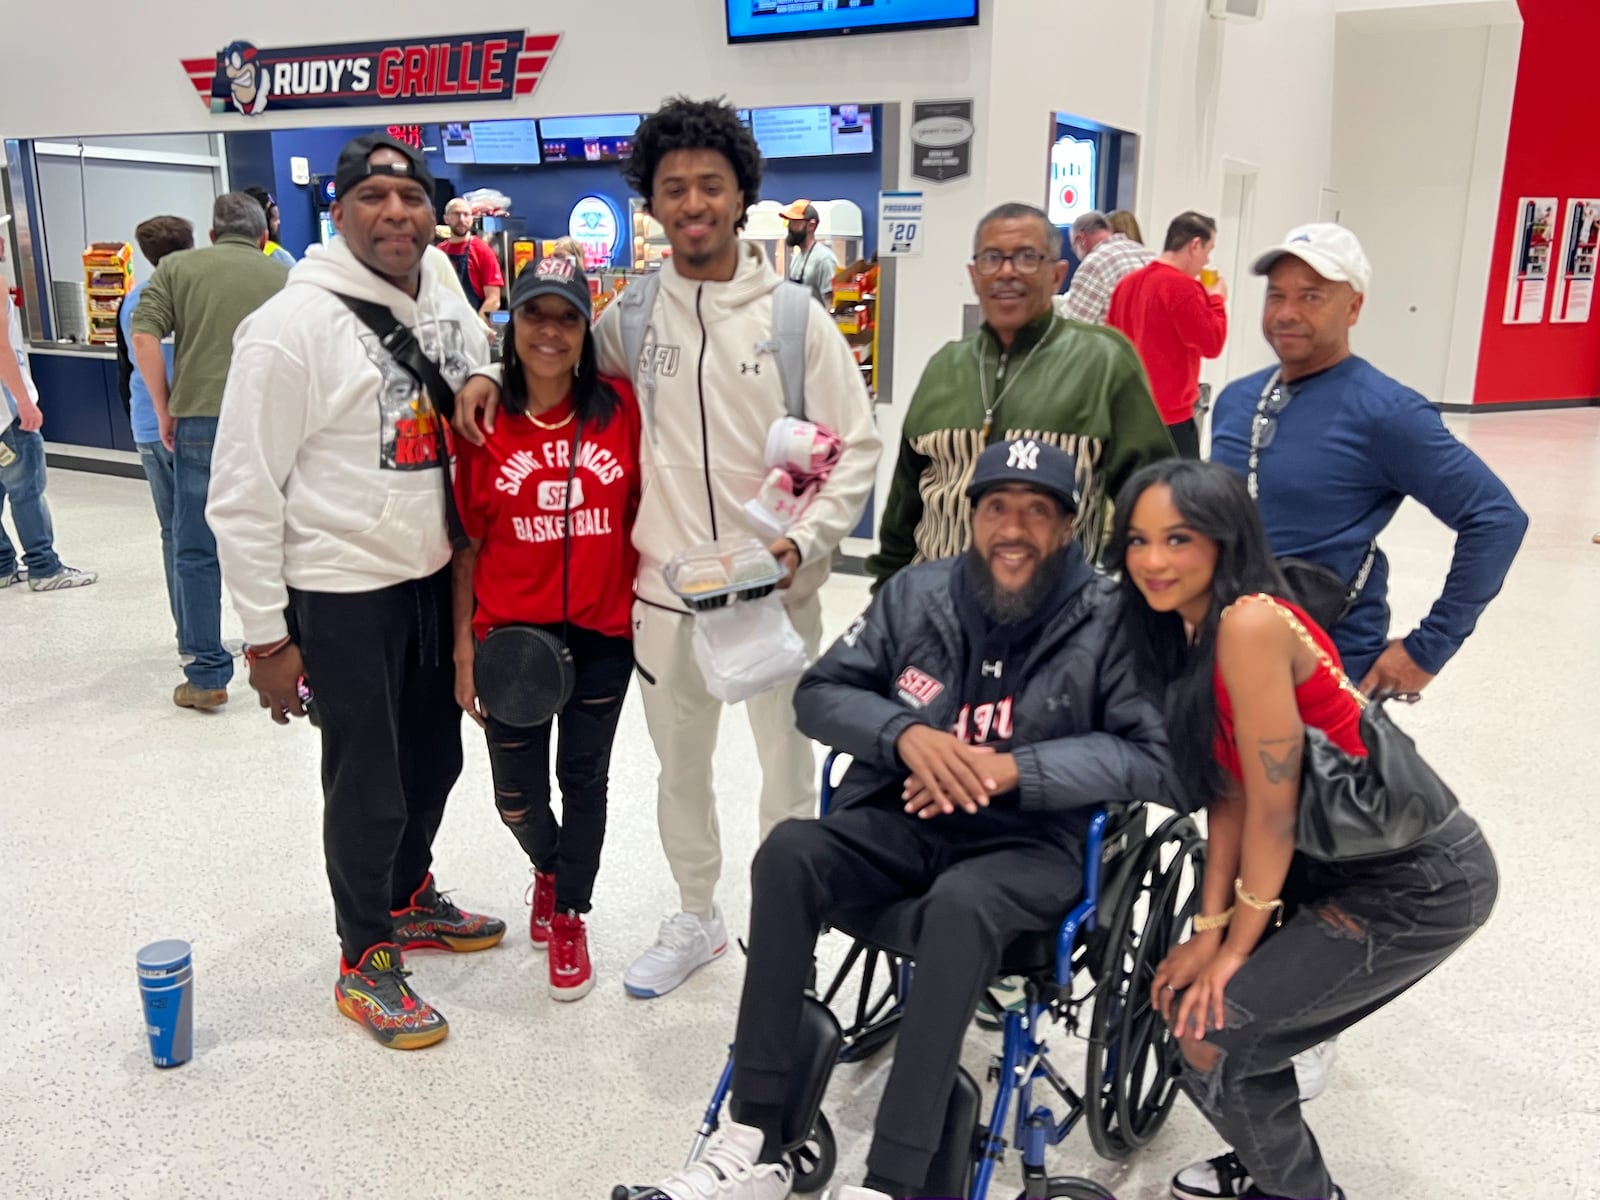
(512, 142)
(811, 131)
(764, 20)
(588, 139)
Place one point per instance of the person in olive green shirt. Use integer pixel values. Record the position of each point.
(201, 296)
(1026, 373)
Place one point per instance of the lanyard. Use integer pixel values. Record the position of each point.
(1005, 381)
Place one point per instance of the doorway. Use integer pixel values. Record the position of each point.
(1236, 245)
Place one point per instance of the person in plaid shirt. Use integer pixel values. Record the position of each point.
(1105, 259)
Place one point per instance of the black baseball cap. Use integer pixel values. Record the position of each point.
(353, 165)
(554, 275)
(1031, 463)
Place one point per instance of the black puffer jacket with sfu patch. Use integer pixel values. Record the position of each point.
(1086, 731)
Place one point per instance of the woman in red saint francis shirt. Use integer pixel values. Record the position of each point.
(1246, 671)
(548, 504)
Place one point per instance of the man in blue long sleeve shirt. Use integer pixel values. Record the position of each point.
(1337, 445)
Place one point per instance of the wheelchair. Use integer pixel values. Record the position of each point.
(1089, 978)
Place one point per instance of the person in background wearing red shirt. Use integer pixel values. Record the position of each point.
(1245, 673)
(476, 265)
(548, 503)
(1175, 318)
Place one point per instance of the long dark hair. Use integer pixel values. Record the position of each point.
(1212, 501)
(593, 399)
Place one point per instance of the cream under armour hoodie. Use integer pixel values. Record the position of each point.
(325, 475)
(710, 391)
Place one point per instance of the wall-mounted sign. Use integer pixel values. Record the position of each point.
(941, 139)
(1071, 179)
(595, 224)
(477, 66)
(1534, 239)
(1580, 243)
(900, 216)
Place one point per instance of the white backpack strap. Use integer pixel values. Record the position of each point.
(638, 301)
(791, 314)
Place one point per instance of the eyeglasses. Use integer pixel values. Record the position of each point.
(1266, 422)
(1026, 261)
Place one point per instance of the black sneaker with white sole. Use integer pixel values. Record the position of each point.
(1222, 1178)
(1219, 1178)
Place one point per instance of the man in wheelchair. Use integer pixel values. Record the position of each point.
(989, 703)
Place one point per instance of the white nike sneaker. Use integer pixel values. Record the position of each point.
(1311, 1068)
(728, 1170)
(684, 944)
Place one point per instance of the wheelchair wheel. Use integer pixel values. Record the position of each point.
(1063, 1187)
(814, 1160)
(1132, 1080)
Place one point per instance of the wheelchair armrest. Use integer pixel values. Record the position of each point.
(1086, 912)
(825, 794)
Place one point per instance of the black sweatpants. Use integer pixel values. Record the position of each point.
(1186, 437)
(380, 667)
(984, 879)
(520, 761)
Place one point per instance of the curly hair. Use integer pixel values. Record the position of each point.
(685, 124)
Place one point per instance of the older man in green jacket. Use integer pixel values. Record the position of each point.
(1026, 373)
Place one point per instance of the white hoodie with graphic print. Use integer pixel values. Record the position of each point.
(716, 393)
(325, 475)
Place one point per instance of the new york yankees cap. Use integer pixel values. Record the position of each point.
(554, 275)
(1031, 463)
(355, 165)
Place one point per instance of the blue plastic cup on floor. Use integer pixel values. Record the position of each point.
(166, 987)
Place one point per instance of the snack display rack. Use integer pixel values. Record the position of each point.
(107, 279)
(855, 312)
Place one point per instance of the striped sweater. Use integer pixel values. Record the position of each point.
(1075, 386)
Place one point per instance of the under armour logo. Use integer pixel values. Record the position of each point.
(993, 670)
(749, 368)
(1024, 456)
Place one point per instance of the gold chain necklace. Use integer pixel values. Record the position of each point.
(561, 424)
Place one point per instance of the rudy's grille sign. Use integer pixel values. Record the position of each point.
(248, 79)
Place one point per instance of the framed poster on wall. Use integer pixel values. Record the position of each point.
(1531, 250)
(1580, 243)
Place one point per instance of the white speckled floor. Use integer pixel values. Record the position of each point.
(123, 819)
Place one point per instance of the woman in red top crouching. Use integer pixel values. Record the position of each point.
(1245, 672)
(548, 503)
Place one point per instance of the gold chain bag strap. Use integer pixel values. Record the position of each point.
(1354, 807)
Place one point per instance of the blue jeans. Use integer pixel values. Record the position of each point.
(195, 557)
(157, 462)
(23, 484)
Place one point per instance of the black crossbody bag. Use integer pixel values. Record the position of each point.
(404, 348)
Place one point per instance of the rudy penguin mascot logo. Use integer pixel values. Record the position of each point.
(241, 80)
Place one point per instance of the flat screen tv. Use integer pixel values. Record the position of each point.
(769, 20)
(513, 142)
(587, 139)
(811, 130)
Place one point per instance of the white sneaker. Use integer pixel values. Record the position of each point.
(728, 1170)
(1311, 1068)
(852, 1192)
(684, 944)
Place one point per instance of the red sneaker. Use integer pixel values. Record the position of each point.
(571, 977)
(542, 895)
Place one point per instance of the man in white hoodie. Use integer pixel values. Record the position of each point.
(328, 500)
(710, 385)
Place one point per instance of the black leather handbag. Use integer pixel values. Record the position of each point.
(1353, 808)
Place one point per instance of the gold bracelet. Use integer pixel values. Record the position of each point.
(1255, 902)
(1207, 924)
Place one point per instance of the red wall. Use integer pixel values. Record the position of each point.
(1553, 150)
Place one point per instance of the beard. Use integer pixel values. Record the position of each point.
(796, 239)
(1005, 607)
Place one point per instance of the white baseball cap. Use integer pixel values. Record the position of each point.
(1330, 250)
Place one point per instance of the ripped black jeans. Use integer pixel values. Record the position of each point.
(520, 762)
(1355, 936)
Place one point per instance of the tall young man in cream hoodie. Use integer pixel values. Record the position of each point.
(709, 383)
(328, 503)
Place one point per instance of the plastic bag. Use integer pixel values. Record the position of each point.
(487, 202)
(746, 648)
